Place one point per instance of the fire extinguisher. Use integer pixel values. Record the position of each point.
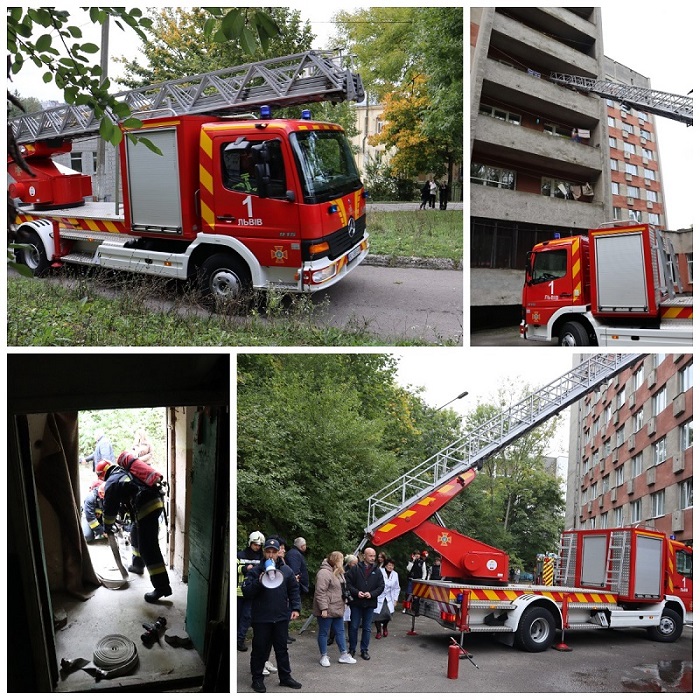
(453, 653)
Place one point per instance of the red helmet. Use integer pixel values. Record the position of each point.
(102, 466)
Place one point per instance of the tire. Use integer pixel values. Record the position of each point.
(536, 630)
(670, 628)
(34, 257)
(573, 334)
(225, 279)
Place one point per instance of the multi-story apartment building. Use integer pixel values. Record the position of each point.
(631, 450)
(545, 159)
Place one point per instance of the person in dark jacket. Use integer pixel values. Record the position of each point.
(247, 559)
(93, 506)
(146, 505)
(365, 583)
(296, 561)
(272, 609)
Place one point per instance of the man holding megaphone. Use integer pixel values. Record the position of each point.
(274, 590)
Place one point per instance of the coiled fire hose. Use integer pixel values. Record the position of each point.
(115, 655)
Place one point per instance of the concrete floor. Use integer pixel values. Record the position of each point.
(124, 611)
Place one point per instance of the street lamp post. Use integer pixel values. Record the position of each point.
(461, 396)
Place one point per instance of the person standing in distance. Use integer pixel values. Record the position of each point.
(365, 583)
(272, 609)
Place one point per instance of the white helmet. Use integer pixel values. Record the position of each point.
(256, 538)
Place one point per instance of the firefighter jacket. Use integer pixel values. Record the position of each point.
(272, 604)
(123, 489)
(93, 507)
(246, 558)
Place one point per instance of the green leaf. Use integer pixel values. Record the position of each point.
(132, 123)
(75, 32)
(43, 43)
(151, 146)
(107, 129)
(247, 39)
(47, 77)
(90, 48)
(232, 24)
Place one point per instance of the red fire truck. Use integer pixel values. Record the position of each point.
(606, 578)
(612, 287)
(232, 201)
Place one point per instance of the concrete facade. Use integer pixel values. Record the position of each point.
(530, 179)
(631, 450)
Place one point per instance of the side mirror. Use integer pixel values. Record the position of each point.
(262, 177)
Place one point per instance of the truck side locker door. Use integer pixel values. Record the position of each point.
(267, 225)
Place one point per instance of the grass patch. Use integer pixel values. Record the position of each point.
(426, 234)
(106, 310)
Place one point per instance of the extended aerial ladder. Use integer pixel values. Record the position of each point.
(663, 104)
(406, 504)
(312, 76)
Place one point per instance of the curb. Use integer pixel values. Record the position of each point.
(405, 261)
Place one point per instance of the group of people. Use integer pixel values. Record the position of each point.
(429, 192)
(357, 591)
(116, 491)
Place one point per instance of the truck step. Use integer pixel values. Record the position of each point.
(490, 605)
(585, 626)
(116, 239)
(79, 258)
(490, 628)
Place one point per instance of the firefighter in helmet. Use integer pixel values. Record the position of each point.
(145, 504)
(93, 505)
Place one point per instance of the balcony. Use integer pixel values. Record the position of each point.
(518, 145)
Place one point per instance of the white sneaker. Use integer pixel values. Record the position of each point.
(265, 672)
(346, 659)
(325, 661)
(270, 668)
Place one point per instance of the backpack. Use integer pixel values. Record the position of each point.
(139, 469)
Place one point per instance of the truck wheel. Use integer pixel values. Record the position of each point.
(670, 628)
(34, 257)
(573, 334)
(536, 630)
(225, 279)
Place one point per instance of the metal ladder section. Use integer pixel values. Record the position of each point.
(565, 568)
(617, 568)
(664, 104)
(313, 76)
(469, 451)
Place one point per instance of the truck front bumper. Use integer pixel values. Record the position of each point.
(320, 274)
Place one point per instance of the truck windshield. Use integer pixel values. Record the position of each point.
(326, 166)
(684, 563)
(548, 265)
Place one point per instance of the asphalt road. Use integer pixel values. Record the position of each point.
(398, 304)
(611, 661)
(505, 337)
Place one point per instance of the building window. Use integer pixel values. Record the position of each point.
(649, 174)
(629, 148)
(594, 490)
(636, 511)
(633, 215)
(616, 188)
(646, 153)
(686, 377)
(620, 436)
(613, 164)
(689, 260)
(592, 523)
(633, 192)
(612, 142)
(658, 504)
(686, 435)
(607, 448)
(607, 413)
(603, 520)
(658, 402)
(552, 187)
(378, 126)
(645, 134)
(618, 519)
(76, 161)
(620, 476)
(638, 378)
(586, 465)
(642, 117)
(596, 426)
(492, 177)
(651, 196)
(631, 169)
(555, 130)
(611, 121)
(617, 213)
(686, 493)
(636, 465)
(659, 451)
(606, 484)
(627, 128)
(638, 420)
(654, 219)
(621, 398)
(501, 114)
(657, 358)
